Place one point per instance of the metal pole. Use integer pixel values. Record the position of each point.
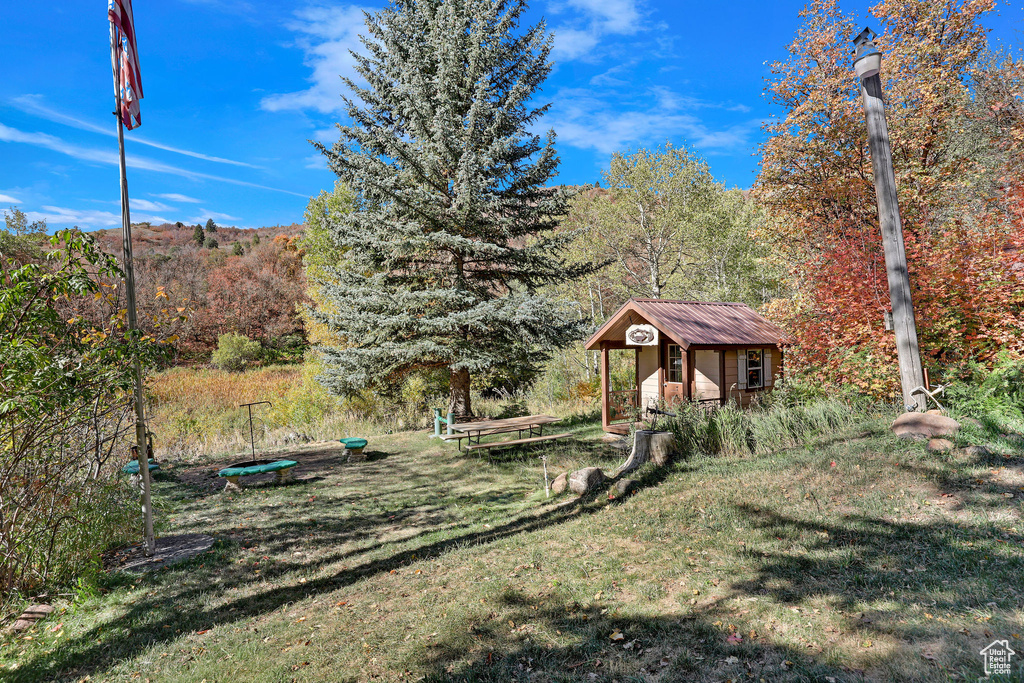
(911, 375)
(252, 441)
(133, 324)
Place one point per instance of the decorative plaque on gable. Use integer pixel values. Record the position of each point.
(642, 335)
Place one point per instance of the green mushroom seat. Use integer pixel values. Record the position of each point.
(281, 467)
(133, 466)
(354, 444)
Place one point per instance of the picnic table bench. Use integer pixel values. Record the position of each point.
(533, 424)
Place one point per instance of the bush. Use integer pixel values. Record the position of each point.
(211, 242)
(234, 352)
(65, 403)
(997, 393)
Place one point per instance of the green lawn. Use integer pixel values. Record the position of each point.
(421, 563)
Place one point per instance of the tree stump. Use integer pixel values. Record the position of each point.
(648, 444)
(663, 447)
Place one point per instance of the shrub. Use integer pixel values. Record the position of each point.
(211, 242)
(234, 352)
(996, 393)
(65, 403)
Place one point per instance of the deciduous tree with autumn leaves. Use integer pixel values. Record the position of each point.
(954, 114)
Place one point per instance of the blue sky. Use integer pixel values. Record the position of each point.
(235, 88)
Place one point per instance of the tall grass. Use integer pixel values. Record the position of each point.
(197, 411)
(764, 427)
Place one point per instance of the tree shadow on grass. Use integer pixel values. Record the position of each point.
(528, 643)
(162, 614)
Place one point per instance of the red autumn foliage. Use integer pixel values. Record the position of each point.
(962, 219)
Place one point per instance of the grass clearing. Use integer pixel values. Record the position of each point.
(858, 557)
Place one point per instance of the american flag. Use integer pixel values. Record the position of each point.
(122, 39)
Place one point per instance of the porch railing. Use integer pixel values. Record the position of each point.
(623, 405)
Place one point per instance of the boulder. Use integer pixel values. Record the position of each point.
(924, 426)
(1015, 440)
(585, 480)
(624, 487)
(978, 451)
(940, 445)
(561, 483)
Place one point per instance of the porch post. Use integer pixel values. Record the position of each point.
(605, 386)
(689, 374)
(723, 391)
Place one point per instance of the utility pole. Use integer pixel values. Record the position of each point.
(867, 63)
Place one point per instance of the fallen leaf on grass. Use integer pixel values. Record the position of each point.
(617, 635)
(866, 643)
(929, 656)
(732, 660)
(734, 639)
(205, 630)
(665, 661)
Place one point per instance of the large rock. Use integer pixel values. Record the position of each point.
(624, 487)
(585, 480)
(924, 426)
(1015, 440)
(561, 483)
(940, 445)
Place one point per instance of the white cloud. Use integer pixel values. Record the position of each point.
(31, 104)
(147, 205)
(204, 215)
(317, 162)
(326, 36)
(87, 218)
(611, 16)
(573, 43)
(593, 20)
(174, 197)
(8, 199)
(606, 124)
(8, 134)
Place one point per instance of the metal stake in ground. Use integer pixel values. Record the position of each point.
(867, 63)
(252, 439)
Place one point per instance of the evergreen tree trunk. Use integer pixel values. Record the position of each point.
(459, 401)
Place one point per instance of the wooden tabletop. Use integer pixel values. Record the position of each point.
(509, 423)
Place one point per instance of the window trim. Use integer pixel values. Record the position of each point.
(669, 368)
(759, 367)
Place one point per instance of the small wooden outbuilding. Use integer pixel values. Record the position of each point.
(709, 352)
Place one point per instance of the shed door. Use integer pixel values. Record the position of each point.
(706, 376)
(675, 374)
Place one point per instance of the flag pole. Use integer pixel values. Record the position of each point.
(133, 323)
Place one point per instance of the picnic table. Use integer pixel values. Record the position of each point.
(532, 424)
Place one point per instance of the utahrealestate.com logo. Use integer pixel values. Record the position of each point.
(997, 658)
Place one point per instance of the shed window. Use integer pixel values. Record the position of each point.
(755, 368)
(675, 363)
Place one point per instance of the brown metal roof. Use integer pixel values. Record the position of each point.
(691, 322)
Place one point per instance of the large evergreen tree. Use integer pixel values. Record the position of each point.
(451, 242)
